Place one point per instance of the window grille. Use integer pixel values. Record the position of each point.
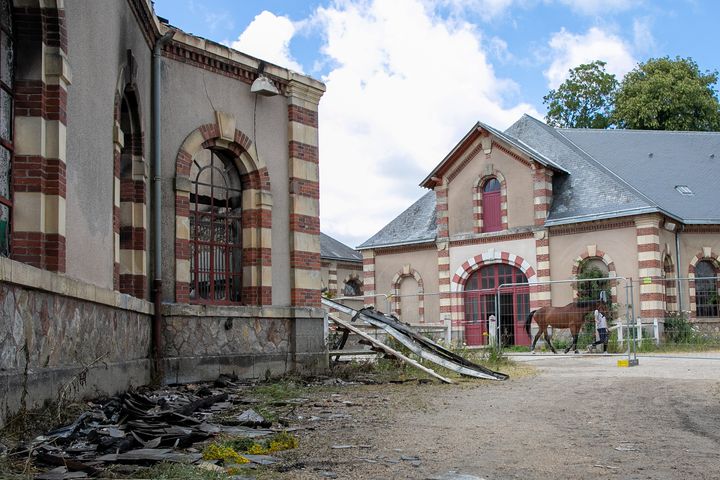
(215, 230)
(706, 289)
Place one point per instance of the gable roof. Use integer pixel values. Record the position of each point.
(415, 225)
(332, 249)
(475, 133)
(600, 174)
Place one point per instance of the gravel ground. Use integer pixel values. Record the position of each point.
(576, 417)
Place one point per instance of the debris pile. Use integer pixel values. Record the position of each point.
(140, 428)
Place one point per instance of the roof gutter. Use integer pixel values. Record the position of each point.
(396, 244)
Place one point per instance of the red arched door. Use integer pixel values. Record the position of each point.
(491, 216)
(480, 297)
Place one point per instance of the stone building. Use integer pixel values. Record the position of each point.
(341, 269)
(158, 201)
(535, 204)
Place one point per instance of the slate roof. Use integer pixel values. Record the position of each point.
(332, 249)
(654, 162)
(417, 224)
(610, 174)
(590, 191)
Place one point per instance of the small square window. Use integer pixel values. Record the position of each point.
(684, 189)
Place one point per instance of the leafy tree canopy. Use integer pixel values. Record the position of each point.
(584, 100)
(667, 94)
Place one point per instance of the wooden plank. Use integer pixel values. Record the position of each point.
(389, 350)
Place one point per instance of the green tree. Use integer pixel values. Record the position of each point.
(584, 100)
(667, 94)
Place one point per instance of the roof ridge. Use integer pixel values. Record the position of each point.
(636, 130)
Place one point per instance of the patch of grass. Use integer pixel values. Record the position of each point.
(13, 470)
(178, 471)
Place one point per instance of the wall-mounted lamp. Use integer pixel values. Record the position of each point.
(262, 85)
(670, 226)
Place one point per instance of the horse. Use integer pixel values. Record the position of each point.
(570, 316)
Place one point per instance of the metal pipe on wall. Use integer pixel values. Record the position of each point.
(157, 199)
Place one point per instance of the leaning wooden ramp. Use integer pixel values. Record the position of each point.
(419, 345)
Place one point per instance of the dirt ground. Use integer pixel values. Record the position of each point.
(576, 417)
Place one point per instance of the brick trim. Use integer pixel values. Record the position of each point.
(560, 230)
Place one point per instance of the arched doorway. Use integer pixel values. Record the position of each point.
(480, 296)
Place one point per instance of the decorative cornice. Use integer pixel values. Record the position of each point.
(146, 20)
(405, 248)
(486, 238)
(701, 229)
(589, 227)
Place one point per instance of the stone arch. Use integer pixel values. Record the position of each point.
(591, 252)
(408, 271)
(706, 254)
(256, 208)
(469, 266)
(477, 199)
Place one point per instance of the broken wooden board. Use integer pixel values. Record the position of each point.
(389, 350)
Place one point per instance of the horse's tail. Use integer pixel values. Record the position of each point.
(528, 322)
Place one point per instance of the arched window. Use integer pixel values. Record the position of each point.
(706, 289)
(132, 273)
(215, 229)
(7, 64)
(491, 212)
(353, 287)
(593, 268)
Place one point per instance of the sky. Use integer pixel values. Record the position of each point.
(407, 79)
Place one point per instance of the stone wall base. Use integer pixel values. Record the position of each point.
(44, 385)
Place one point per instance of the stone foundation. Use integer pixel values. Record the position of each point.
(47, 336)
(201, 342)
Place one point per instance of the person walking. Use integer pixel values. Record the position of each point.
(601, 327)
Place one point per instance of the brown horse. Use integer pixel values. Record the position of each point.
(570, 316)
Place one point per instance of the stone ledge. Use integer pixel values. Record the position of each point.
(18, 273)
(184, 310)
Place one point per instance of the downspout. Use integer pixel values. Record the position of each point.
(677, 268)
(157, 346)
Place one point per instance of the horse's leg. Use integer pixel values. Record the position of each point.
(534, 342)
(547, 339)
(575, 332)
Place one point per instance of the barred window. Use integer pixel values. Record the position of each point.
(706, 289)
(7, 63)
(215, 229)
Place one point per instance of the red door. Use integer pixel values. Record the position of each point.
(492, 219)
(480, 297)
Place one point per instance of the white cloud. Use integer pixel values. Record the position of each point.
(642, 35)
(600, 7)
(570, 50)
(268, 38)
(404, 88)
